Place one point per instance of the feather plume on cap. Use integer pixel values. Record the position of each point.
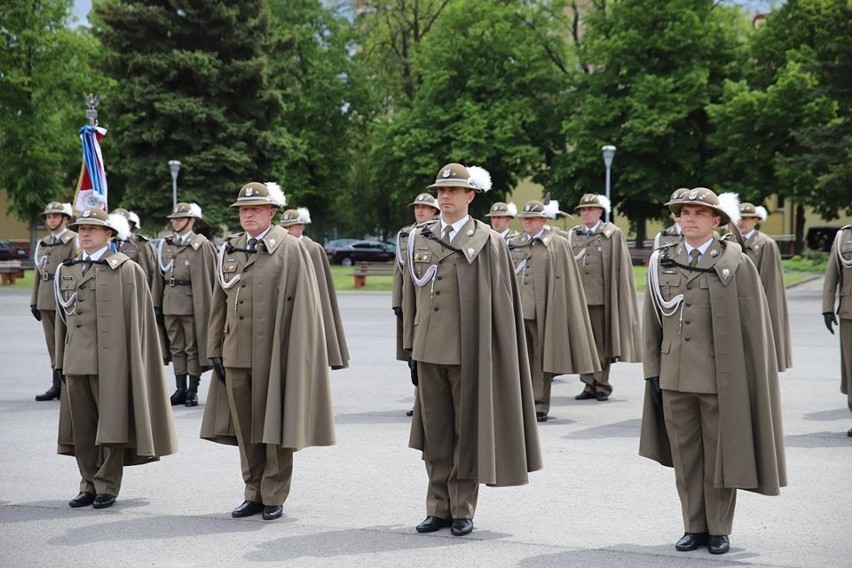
(511, 209)
(120, 223)
(605, 203)
(195, 210)
(304, 215)
(551, 209)
(134, 218)
(730, 204)
(762, 213)
(479, 177)
(276, 194)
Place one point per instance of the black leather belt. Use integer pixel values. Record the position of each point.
(175, 282)
(46, 276)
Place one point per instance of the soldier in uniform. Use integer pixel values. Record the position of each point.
(468, 358)
(836, 291)
(672, 233)
(712, 406)
(763, 252)
(559, 335)
(186, 263)
(499, 217)
(267, 345)
(604, 262)
(294, 220)
(138, 249)
(114, 409)
(59, 245)
(425, 208)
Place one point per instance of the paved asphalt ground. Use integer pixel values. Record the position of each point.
(596, 503)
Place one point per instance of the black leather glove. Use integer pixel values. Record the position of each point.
(158, 314)
(37, 314)
(656, 393)
(218, 368)
(829, 318)
(397, 312)
(412, 367)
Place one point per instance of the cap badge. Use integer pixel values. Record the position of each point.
(693, 195)
(249, 191)
(86, 213)
(446, 173)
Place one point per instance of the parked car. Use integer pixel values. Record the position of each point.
(11, 251)
(348, 254)
(820, 238)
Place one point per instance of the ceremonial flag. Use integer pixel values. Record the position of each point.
(92, 185)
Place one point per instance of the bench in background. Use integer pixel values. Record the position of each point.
(364, 269)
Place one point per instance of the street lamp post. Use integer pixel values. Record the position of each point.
(174, 166)
(608, 155)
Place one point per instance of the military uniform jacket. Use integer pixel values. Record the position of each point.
(47, 257)
(335, 338)
(269, 320)
(763, 252)
(138, 249)
(560, 312)
(740, 344)
(109, 330)
(396, 294)
(195, 263)
(837, 288)
(476, 290)
(624, 334)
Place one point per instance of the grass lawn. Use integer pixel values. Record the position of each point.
(794, 272)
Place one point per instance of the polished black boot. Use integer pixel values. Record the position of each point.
(192, 393)
(53, 392)
(179, 397)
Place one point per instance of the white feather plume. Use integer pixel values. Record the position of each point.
(605, 203)
(195, 210)
(511, 209)
(304, 215)
(762, 213)
(479, 177)
(276, 194)
(551, 209)
(120, 223)
(730, 204)
(133, 217)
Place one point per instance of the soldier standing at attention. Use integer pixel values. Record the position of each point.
(294, 220)
(425, 208)
(763, 252)
(499, 217)
(838, 279)
(556, 322)
(712, 406)
(186, 263)
(50, 251)
(604, 262)
(114, 409)
(267, 345)
(468, 359)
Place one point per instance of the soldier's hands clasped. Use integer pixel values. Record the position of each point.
(829, 318)
(35, 312)
(412, 367)
(218, 368)
(397, 312)
(656, 393)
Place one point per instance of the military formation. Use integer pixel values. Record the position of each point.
(486, 318)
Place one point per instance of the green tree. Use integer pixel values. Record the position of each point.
(44, 71)
(192, 84)
(647, 72)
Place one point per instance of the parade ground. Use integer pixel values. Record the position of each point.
(596, 503)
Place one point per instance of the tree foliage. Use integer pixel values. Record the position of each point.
(44, 70)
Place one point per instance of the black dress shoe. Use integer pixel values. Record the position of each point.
(247, 509)
(718, 544)
(585, 395)
(104, 501)
(272, 512)
(691, 541)
(411, 413)
(462, 527)
(81, 500)
(432, 524)
(541, 416)
(601, 396)
(849, 433)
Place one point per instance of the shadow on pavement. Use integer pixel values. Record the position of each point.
(625, 429)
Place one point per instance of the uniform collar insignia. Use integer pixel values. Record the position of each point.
(470, 252)
(726, 273)
(271, 242)
(470, 232)
(714, 252)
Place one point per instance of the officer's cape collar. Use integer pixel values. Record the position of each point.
(727, 255)
(273, 237)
